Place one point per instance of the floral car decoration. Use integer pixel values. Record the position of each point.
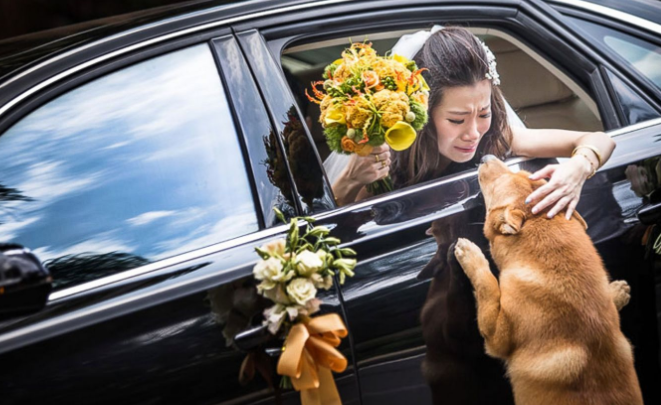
(367, 99)
(291, 271)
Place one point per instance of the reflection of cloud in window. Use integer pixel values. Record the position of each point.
(644, 59)
(148, 217)
(102, 244)
(48, 180)
(149, 98)
(9, 230)
(235, 225)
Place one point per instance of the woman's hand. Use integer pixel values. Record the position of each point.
(361, 171)
(364, 170)
(563, 188)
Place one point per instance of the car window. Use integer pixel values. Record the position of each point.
(642, 55)
(541, 95)
(136, 166)
(634, 108)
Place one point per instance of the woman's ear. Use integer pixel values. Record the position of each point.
(509, 221)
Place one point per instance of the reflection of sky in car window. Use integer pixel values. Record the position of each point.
(143, 161)
(647, 60)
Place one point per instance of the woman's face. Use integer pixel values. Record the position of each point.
(461, 119)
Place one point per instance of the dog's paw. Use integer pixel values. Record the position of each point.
(621, 293)
(470, 257)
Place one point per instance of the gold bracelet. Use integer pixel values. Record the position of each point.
(594, 169)
(593, 149)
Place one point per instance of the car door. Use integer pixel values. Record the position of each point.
(145, 186)
(385, 299)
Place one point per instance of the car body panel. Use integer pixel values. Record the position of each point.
(162, 334)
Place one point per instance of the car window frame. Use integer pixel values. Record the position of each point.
(612, 59)
(505, 17)
(40, 98)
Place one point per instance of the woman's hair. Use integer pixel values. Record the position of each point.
(453, 57)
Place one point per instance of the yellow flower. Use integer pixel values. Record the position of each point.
(392, 105)
(401, 59)
(334, 115)
(400, 136)
(358, 112)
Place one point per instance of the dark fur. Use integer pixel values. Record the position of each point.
(456, 367)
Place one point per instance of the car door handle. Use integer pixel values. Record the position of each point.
(650, 214)
(252, 338)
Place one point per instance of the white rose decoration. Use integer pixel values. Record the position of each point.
(320, 281)
(271, 272)
(274, 317)
(277, 294)
(308, 263)
(275, 247)
(301, 290)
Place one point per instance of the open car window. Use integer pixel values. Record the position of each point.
(541, 94)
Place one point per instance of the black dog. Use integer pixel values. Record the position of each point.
(455, 366)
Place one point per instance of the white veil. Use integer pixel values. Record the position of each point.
(408, 46)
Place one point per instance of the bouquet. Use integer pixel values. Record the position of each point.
(367, 100)
(291, 271)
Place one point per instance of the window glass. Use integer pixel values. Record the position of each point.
(642, 55)
(634, 108)
(137, 166)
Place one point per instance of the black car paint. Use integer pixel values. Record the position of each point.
(152, 338)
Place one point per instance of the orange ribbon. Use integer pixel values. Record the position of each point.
(309, 356)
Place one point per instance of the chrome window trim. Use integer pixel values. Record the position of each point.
(165, 263)
(139, 45)
(613, 14)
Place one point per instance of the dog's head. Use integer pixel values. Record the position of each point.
(505, 193)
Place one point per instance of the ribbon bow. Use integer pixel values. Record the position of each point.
(309, 356)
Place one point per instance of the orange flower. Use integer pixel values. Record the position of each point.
(348, 145)
(371, 78)
(421, 97)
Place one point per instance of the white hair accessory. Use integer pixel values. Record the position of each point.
(409, 45)
(492, 74)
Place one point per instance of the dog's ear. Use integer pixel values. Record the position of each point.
(509, 221)
(429, 232)
(580, 219)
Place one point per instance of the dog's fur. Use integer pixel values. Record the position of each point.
(455, 366)
(553, 315)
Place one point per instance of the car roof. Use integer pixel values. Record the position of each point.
(649, 10)
(26, 36)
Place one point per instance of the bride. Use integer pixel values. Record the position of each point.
(469, 119)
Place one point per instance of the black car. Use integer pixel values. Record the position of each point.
(141, 155)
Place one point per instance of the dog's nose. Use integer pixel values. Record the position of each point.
(487, 158)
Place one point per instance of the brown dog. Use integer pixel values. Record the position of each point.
(552, 316)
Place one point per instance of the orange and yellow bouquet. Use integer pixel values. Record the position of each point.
(367, 99)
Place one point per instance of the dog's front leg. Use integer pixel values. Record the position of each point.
(491, 320)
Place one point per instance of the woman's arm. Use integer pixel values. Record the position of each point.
(566, 179)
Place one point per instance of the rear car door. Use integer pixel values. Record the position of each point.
(143, 185)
